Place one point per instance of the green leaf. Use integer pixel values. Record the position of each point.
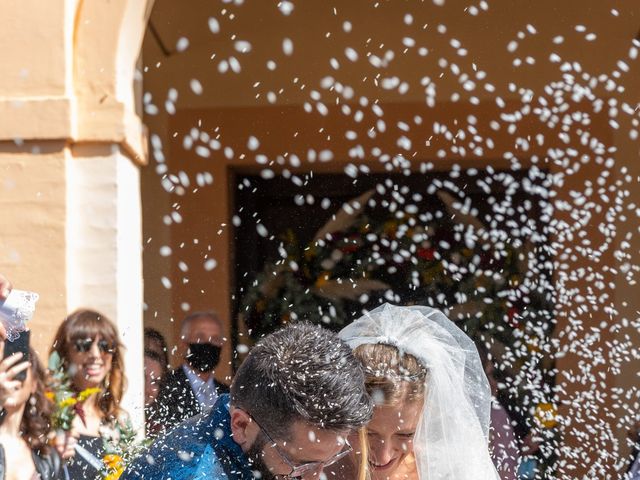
(55, 362)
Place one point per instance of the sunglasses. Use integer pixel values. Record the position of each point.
(84, 345)
(300, 470)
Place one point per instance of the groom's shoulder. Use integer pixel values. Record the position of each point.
(186, 452)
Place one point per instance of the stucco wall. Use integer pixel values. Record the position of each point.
(269, 103)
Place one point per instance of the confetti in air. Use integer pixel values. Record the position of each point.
(311, 160)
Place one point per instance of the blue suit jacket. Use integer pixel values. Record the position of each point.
(201, 447)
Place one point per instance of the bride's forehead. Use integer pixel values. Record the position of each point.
(398, 416)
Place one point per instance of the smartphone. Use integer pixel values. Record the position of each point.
(20, 344)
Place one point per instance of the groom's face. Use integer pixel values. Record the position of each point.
(305, 444)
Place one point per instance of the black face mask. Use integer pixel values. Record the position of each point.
(203, 357)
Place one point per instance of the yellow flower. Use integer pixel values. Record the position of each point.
(86, 393)
(67, 402)
(50, 396)
(547, 415)
(115, 464)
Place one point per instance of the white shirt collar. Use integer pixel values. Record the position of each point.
(196, 382)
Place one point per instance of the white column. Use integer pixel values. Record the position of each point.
(104, 256)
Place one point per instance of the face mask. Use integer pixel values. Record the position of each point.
(203, 357)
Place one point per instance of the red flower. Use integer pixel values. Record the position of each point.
(426, 253)
(512, 315)
(349, 248)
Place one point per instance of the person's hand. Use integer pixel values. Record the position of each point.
(5, 289)
(64, 443)
(9, 368)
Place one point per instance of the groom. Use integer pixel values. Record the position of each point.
(294, 401)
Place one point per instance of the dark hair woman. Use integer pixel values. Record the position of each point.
(89, 346)
(25, 421)
(155, 342)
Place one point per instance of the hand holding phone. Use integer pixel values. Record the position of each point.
(19, 345)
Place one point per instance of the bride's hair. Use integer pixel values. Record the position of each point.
(390, 379)
(391, 376)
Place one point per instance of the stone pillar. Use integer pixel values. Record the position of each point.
(71, 145)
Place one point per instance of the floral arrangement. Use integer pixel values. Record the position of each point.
(121, 445)
(490, 283)
(66, 402)
(120, 441)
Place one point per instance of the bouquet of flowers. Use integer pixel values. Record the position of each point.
(121, 445)
(66, 402)
(119, 440)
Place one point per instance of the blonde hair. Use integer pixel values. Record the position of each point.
(390, 378)
(363, 470)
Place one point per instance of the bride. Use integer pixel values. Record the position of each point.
(431, 420)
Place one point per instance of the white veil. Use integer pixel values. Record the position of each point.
(451, 441)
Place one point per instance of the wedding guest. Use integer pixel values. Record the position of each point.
(503, 442)
(156, 366)
(155, 342)
(89, 346)
(295, 399)
(633, 472)
(154, 371)
(191, 388)
(25, 421)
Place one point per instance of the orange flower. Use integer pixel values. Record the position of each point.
(323, 278)
(50, 395)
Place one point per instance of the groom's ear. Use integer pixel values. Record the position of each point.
(240, 421)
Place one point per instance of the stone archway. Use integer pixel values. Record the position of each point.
(71, 144)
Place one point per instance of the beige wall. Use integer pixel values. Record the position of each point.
(70, 149)
(234, 106)
(32, 244)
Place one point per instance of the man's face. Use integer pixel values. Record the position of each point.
(203, 330)
(306, 444)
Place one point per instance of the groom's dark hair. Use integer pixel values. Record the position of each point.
(302, 372)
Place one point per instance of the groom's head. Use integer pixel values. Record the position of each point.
(295, 399)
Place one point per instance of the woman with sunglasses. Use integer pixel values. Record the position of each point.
(89, 346)
(25, 420)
